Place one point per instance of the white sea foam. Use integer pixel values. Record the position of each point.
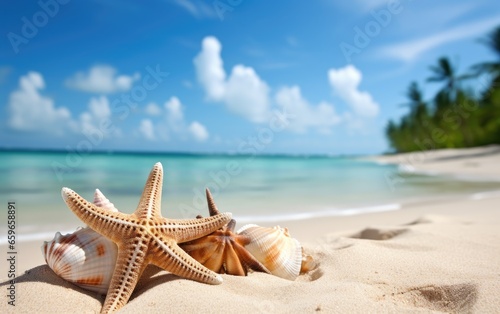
(331, 212)
(485, 195)
(322, 213)
(27, 236)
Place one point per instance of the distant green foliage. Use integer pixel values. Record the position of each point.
(455, 117)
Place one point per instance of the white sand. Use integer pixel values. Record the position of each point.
(475, 163)
(439, 257)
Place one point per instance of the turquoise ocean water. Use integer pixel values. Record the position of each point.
(260, 189)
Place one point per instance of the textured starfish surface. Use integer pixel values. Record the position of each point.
(223, 250)
(145, 237)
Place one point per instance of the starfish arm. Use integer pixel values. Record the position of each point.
(130, 264)
(113, 225)
(184, 230)
(168, 255)
(212, 208)
(150, 203)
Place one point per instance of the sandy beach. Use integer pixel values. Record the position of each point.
(439, 256)
(468, 163)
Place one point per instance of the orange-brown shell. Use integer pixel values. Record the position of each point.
(223, 251)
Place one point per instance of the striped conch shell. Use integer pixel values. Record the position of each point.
(275, 249)
(84, 257)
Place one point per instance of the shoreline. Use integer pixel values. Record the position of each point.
(309, 230)
(468, 164)
(282, 219)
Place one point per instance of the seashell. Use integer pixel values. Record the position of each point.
(275, 249)
(101, 201)
(223, 251)
(84, 257)
(308, 263)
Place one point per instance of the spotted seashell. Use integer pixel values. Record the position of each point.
(275, 249)
(84, 257)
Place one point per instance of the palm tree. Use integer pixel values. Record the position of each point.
(391, 131)
(418, 117)
(490, 111)
(459, 117)
(445, 72)
(414, 94)
(493, 68)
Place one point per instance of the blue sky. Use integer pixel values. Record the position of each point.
(243, 76)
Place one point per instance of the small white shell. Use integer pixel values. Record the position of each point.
(83, 257)
(101, 201)
(275, 249)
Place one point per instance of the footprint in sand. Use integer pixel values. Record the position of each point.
(458, 298)
(378, 234)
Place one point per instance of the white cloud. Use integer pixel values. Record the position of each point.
(171, 124)
(198, 131)
(146, 128)
(209, 69)
(102, 79)
(411, 50)
(174, 109)
(243, 93)
(153, 109)
(99, 107)
(196, 8)
(174, 115)
(247, 95)
(322, 117)
(345, 82)
(30, 111)
(99, 110)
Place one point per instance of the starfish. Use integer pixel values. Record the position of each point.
(223, 251)
(145, 237)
